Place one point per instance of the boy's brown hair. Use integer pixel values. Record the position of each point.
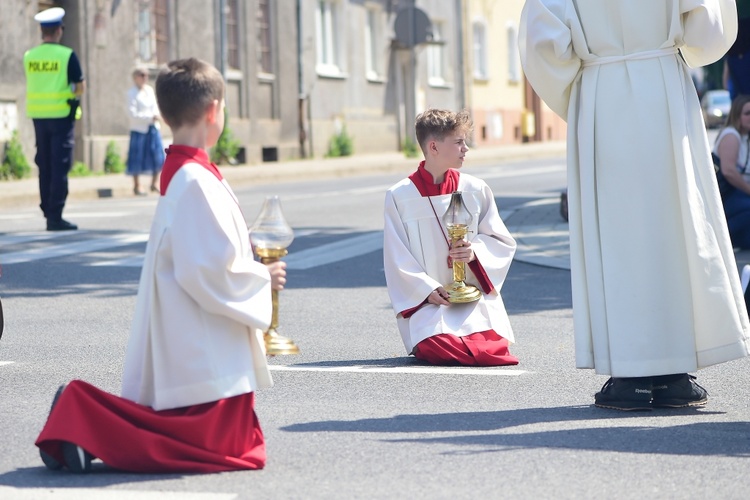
(437, 123)
(184, 90)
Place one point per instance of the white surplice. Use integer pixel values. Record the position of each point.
(203, 302)
(416, 261)
(655, 283)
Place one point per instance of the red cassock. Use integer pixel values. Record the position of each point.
(478, 349)
(219, 436)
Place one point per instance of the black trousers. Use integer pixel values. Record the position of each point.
(54, 157)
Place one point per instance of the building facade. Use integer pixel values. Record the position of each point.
(253, 42)
(504, 107)
(361, 70)
(298, 72)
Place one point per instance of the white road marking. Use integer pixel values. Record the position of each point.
(354, 191)
(72, 248)
(335, 252)
(432, 370)
(105, 494)
(304, 259)
(14, 239)
(541, 202)
(494, 174)
(300, 233)
(3, 363)
(132, 261)
(97, 215)
(520, 172)
(20, 216)
(322, 255)
(71, 215)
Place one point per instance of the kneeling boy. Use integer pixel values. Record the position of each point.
(196, 352)
(417, 254)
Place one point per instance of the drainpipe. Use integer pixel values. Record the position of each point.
(87, 111)
(223, 39)
(460, 53)
(301, 85)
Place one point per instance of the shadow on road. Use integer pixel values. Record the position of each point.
(700, 438)
(99, 477)
(531, 288)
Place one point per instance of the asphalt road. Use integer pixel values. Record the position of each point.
(352, 416)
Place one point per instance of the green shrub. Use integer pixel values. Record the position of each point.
(227, 147)
(341, 144)
(113, 163)
(410, 148)
(15, 165)
(79, 170)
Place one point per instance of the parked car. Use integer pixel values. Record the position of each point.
(715, 105)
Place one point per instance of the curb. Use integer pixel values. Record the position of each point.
(24, 193)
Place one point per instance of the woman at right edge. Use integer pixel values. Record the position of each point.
(732, 146)
(656, 292)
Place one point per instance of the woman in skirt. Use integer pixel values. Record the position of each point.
(146, 153)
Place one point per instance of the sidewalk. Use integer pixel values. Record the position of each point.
(15, 194)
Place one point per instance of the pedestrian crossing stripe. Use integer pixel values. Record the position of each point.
(309, 258)
(78, 247)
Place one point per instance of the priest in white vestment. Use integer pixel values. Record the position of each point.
(656, 291)
(417, 251)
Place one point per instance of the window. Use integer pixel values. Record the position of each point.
(233, 34)
(436, 56)
(479, 39)
(263, 18)
(145, 39)
(374, 44)
(514, 66)
(152, 18)
(327, 39)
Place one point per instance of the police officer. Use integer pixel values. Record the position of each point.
(54, 84)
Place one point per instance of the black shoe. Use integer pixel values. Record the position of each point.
(60, 225)
(678, 391)
(48, 459)
(628, 394)
(76, 458)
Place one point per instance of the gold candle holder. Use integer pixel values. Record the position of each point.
(457, 219)
(271, 236)
(275, 344)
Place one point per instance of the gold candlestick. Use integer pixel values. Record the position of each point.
(271, 236)
(275, 344)
(457, 219)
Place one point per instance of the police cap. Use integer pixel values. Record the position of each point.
(50, 17)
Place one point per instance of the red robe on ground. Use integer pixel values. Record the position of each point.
(212, 437)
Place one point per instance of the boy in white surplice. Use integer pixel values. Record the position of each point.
(196, 354)
(417, 254)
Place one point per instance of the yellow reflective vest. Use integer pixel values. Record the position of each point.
(47, 86)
